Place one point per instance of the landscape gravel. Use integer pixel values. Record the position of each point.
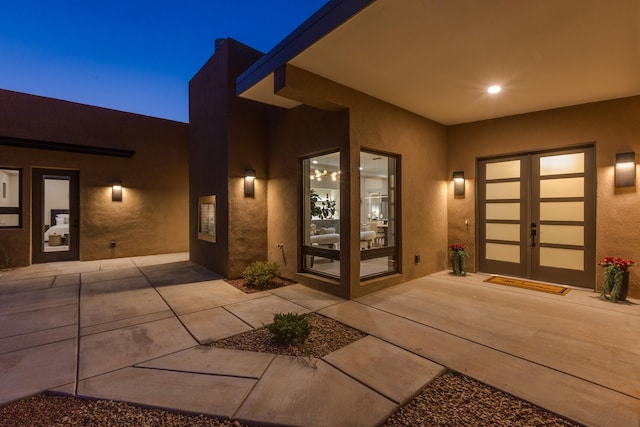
(449, 400)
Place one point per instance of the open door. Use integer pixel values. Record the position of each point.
(55, 215)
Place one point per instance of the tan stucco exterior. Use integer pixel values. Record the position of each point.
(361, 122)
(612, 126)
(153, 216)
(228, 134)
(332, 117)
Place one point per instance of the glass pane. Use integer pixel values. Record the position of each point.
(503, 190)
(207, 218)
(563, 187)
(56, 214)
(509, 232)
(502, 170)
(562, 164)
(322, 209)
(562, 211)
(9, 220)
(510, 211)
(562, 234)
(10, 188)
(377, 210)
(377, 200)
(562, 258)
(506, 253)
(324, 266)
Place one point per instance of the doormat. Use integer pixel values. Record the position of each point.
(534, 286)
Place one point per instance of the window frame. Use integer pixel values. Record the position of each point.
(11, 210)
(308, 250)
(387, 251)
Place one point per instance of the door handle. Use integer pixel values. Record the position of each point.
(534, 231)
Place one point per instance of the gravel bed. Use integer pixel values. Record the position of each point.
(64, 411)
(456, 400)
(449, 400)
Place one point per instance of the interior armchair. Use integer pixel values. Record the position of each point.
(368, 233)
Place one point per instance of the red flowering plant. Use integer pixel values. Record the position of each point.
(614, 269)
(458, 252)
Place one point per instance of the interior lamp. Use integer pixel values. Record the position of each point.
(116, 192)
(625, 170)
(458, 183)
(249, 182)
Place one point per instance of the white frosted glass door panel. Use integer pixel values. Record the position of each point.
(504, 211)
(503, 190)
(562, 234)
(508, 232)
(562, 164)
(500, 252)
(572, 259)
(503, 170)
(562, 211)
(563, 187)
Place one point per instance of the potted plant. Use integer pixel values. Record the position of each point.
(458, 253)
(616, 278)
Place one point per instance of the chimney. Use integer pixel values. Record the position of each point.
(219, 43)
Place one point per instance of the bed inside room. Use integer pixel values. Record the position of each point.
(56, 235)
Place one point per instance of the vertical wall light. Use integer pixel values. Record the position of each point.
(625, 169)
(458, 183)
(249, 182)
(116, 192)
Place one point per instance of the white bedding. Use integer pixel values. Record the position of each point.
(56, 229)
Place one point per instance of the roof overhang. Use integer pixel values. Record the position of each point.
(436, 58)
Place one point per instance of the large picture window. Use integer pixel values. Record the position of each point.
(10, 198)
(321, 210)
(378, 214)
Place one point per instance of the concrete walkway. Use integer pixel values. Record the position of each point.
(136, 330)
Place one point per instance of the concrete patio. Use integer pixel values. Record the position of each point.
(136, 329)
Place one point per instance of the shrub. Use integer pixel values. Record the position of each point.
(260, 274)
(290, 328)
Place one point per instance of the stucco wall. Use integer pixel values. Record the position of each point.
(372, 125)
(226, 137)
(612, 125)
(153, 216)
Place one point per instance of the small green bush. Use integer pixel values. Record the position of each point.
(260, 274)
(290, 328)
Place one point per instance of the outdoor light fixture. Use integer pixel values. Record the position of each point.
(625, 170)
(458, 183)
(249, 182)
(116, 192)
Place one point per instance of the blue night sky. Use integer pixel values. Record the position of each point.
(130, 55)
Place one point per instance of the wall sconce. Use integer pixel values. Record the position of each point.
(116, 192)
(625, 169)
(458, 183)
(249, 182)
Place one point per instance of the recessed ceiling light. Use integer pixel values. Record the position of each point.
(494, 89)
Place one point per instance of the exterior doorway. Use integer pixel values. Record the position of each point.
(55, 215)
(536, 216)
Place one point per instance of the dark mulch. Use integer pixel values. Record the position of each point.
(327, 336)
(278, 282)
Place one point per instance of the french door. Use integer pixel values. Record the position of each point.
(55, 215)
(536, 216)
